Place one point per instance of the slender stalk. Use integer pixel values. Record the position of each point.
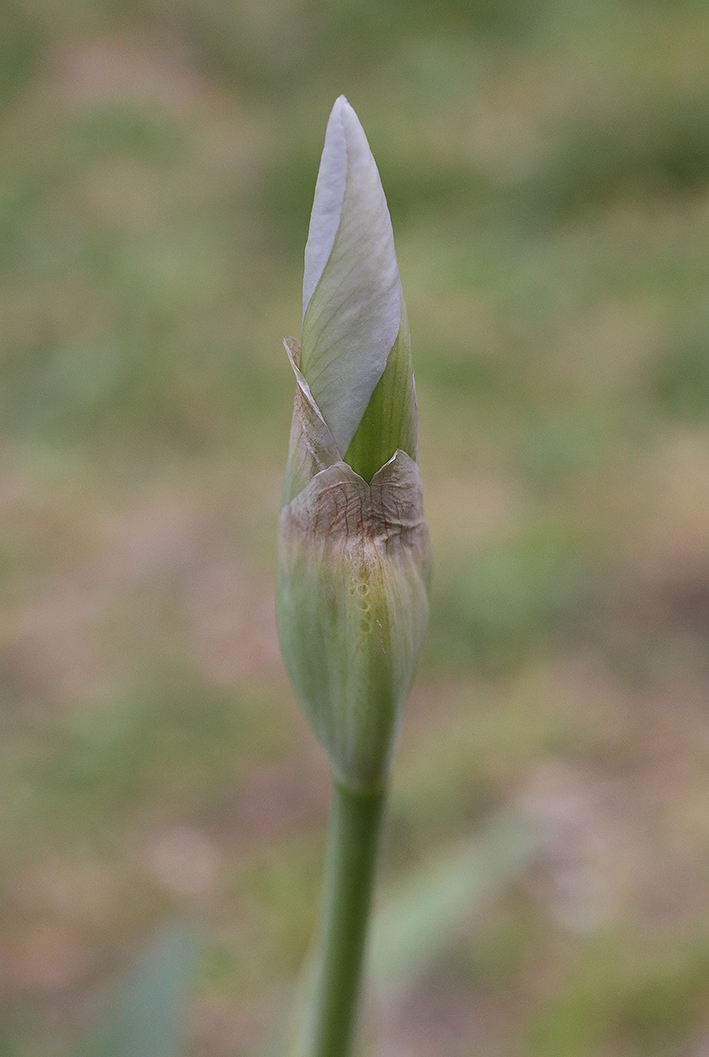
(349, 878)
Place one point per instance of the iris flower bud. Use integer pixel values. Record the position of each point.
(354, 556)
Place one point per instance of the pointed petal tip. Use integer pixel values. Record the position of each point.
(345, 146)
(341, 103)
(327, 204)
(356, 314)
(344, 110)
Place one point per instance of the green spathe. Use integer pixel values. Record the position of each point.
(353, 610)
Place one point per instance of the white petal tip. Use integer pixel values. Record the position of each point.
(351, 290)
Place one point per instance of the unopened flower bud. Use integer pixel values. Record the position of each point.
(353, 549)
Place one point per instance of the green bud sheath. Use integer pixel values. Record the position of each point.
(354, 558)
(353, 609)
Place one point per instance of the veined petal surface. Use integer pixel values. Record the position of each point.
(351, 288)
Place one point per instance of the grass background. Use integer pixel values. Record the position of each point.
(547, 169)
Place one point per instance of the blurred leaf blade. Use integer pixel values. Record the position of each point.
(147, 1014)
(419, 920)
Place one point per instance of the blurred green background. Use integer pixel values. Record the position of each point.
(547, 170)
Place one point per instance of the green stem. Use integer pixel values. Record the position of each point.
(349, 878)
